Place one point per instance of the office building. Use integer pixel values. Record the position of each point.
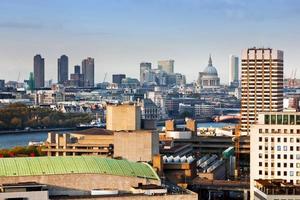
(275, 149)
(262, 84)
(144, 68)
(39, 71)
(2, 84)
(62, 69)
(76, 79)
(117, 78)
(166, 65)
(233, 70)
(209, 79)
(76, 69)
(88, 71)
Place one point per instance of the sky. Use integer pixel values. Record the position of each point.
(120, 34)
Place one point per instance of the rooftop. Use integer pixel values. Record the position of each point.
(38, 166)
(94, 131)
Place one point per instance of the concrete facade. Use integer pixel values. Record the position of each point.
(123, 117)
(137, 145)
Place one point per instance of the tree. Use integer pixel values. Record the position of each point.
(16, 122)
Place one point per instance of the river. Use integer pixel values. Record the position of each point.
(22, 139)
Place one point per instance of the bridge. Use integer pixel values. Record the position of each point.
(222, 118)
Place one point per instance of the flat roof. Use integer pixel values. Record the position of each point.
(94, 131)
(39, 166)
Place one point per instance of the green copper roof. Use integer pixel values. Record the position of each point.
(31, 166)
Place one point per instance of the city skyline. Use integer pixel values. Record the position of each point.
(187, 31)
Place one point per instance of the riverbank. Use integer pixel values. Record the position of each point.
(36, 130)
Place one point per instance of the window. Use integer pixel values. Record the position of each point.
(284, 165)
(292, 119)
(260, 164)
(273, 119)
(278, 165)
(291, 173)
(291, 164)
(285, 173)
(291, 148)
(267, 119)
(291, 156)
(284, 139)
(278, 148)
(285, 157)
(298, 119)
(272, 139)
(266, 130)
(285, 148)
(285, 131)
(266, 173)
(272, 164)
(272, 156)
(260, 147)
(278, 139)
(260, 155)
(260, 139)
(266, 156)
(291, 139)
(279, 119)
(260, 172)
(285, 119)
(260, 130)
(298, 165)
(298, 131)
(298, 156)
(292, 131)
(298, 148)
(278, 173)
(266, 139)
(266, 164)
(278, 156)
(266, 148)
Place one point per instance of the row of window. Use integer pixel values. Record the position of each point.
(284, 139)
(284, 173)
(279, 156)
(282, 119)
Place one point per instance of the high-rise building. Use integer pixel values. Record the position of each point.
(39, 71)
(117, 78)
(144, 68)
(76, 69)
(88, 71)
(233, 70)
(166, 65)
(2, 84)
(262, 84)
(275, 154)
(63, 68)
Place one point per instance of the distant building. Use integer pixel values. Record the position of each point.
(130, 82)
(166, 65)
(262, 84)
(204, 110)
(76, 79)
(76, 69)
(2, 84)
(39, 71)
(62, 69)
(88, 71)
(144, 68)
(233, 70)
(117, 78)
(209, 79)
(149, 110)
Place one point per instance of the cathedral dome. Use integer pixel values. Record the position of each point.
(210, 69)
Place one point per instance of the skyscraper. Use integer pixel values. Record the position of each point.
(117, 78)
(39, 71)
(88, 71)
(63, 66)
(166, 65)
(144, 66)
(76, 69)
(233, 69)
(262, 84)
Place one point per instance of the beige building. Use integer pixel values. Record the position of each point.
(136, 145)
(95, 141)
(123, 117)
(275, 148)
(262, 84)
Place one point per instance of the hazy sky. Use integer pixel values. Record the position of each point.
(120, 34)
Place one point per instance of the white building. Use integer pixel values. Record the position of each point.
(262, 84)
(233, 70)
(275, 148)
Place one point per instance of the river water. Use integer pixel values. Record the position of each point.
(22, 139)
